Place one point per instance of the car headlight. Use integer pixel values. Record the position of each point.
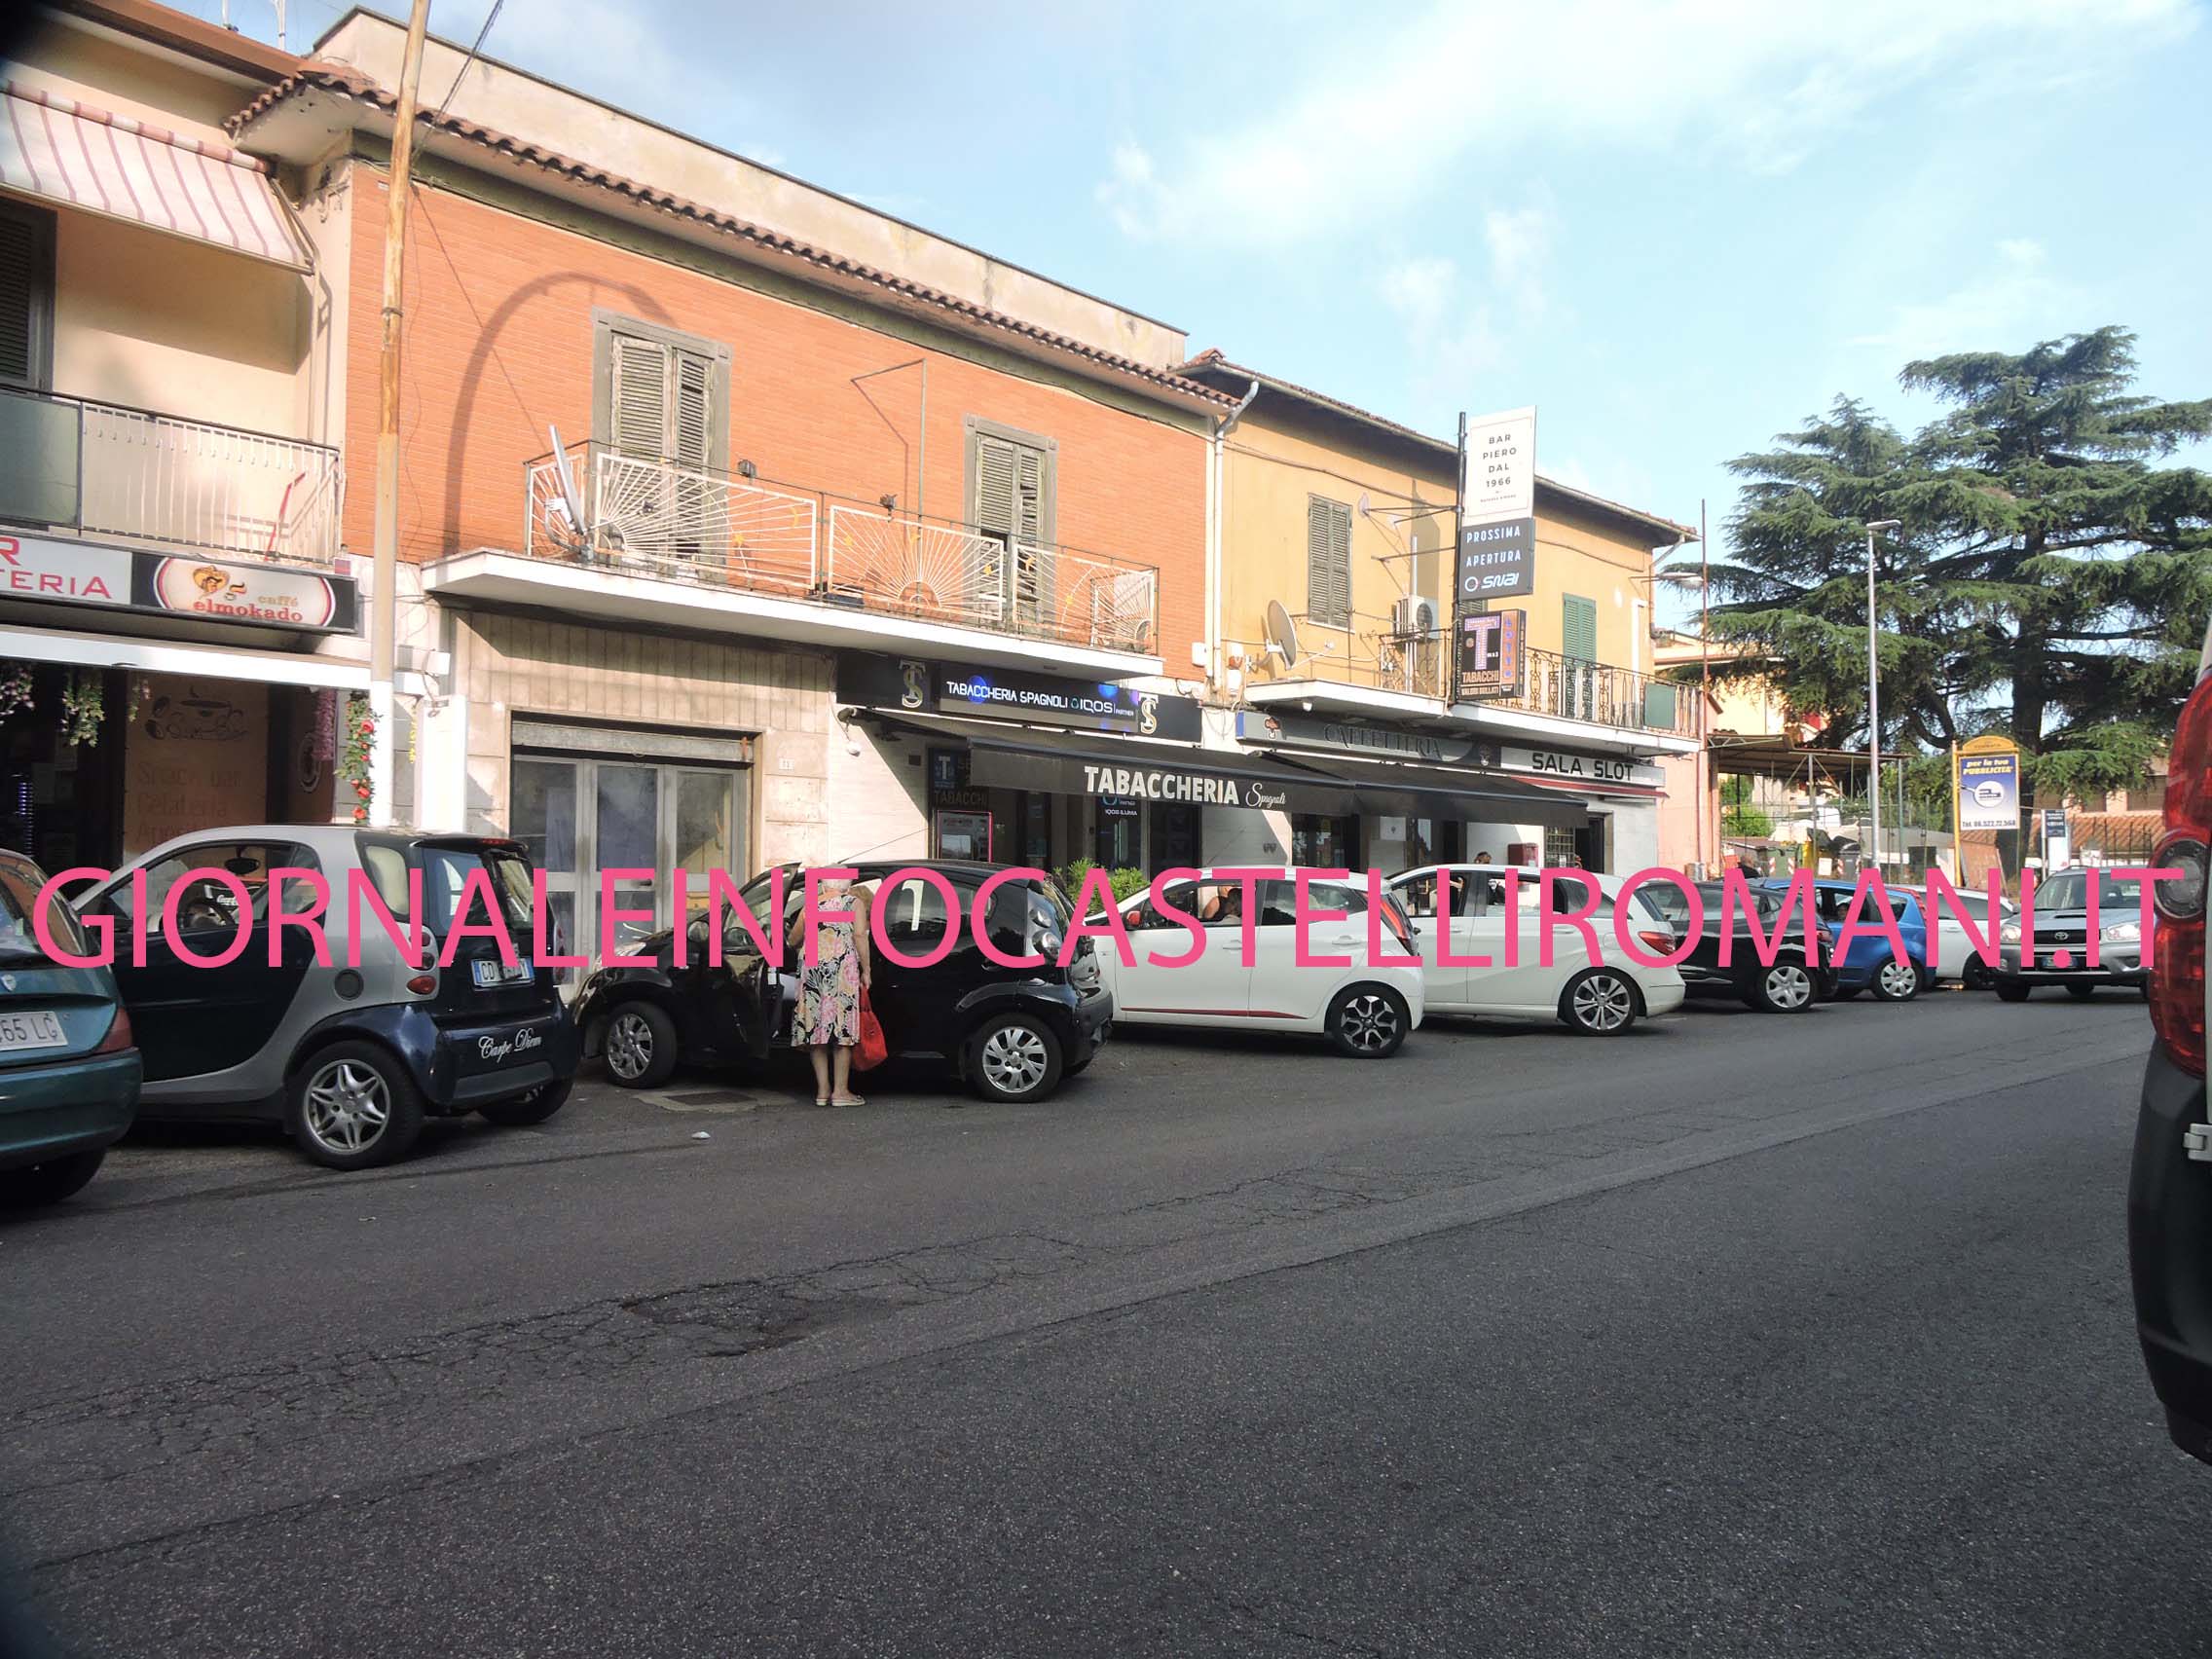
(2127, 932)
(1044, 943)
(2009, 934)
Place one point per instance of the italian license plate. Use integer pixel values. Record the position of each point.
(32, 1028)
(487, 974)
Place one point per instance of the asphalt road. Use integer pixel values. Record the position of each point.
(1740, 1334)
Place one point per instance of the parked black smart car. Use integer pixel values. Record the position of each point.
(1013, 1032)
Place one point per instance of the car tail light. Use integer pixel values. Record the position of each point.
(119, 1034)
(422, 984)
(1657, 940)
(1395, 919)
(2177, 966)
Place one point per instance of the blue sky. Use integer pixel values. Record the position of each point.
(1677, 228)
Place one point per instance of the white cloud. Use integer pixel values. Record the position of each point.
(2014, 298)
(1744, 81)
(1520, 243)
(1451, 335)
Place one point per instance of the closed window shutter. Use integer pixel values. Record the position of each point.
(21, 280)
(1578, 628)
(1328, 562)
(998, 467)
(1659, 708)
(639, 409)
(692, 420)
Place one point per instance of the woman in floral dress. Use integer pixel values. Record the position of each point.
(826, 1023)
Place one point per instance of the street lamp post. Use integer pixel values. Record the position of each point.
(1873, 696)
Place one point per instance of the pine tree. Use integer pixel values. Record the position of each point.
(2049, 582)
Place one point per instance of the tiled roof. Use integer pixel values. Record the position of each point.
(349, 83)
(1214, 362)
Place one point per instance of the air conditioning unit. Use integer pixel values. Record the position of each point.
(1413, 618)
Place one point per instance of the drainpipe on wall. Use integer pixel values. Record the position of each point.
(1217, 511)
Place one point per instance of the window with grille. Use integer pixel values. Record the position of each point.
(660, 412)
(1328, 562)
(26, 296)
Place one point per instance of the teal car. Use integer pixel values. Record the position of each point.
(68, 1066)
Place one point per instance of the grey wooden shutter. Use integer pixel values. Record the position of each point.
(996, 514)
(1328, 562)
(1578, 627)
(638, 415)
(691, 422)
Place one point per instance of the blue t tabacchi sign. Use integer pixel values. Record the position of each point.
(1989, 792)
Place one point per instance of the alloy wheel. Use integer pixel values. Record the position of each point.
(1369, 1021)
(1013, 1059)
(347, 1106)
(1602, 1003)
(1788, 986)
(629, 1045)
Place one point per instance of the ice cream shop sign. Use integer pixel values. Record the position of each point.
(72, 572)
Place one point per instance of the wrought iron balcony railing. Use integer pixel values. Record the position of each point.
(1575, 689)
(92, 468)
(592, 502)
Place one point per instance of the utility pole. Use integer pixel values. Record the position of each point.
(1708, 793)
(384, 608)
(1874, 700)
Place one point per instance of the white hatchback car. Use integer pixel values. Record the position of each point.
(1955, 956)
(1602, 997)
(1365, 1011)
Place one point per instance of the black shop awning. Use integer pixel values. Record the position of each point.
(1443, 791)
(1022, 759)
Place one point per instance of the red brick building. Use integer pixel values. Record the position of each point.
(730, 510)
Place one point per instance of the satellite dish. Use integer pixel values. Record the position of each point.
(567, 480)
(1282, 633)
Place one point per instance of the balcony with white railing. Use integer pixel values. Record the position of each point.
(683, 544)
(94, 469)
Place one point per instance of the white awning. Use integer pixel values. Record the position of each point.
(172, 656)
(58, 150)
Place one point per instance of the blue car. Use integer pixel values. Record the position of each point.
(1869, 963)
(68, 1067)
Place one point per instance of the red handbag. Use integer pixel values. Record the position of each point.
(871, 1052)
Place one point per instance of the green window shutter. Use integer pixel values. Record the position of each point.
(1578, 627)
(1328, 562)
(1659, 706)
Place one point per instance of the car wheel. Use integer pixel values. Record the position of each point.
(1013, 1057)
(51, 1182)
(352, 1105)
(1787, 987)
(2081, 994)
(2012, 990)
(640, 1046)
(518, 1111)
(1897, 981)
(1599, 1003)
(1368, 1023)
(1975, 976)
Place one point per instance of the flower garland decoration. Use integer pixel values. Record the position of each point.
(353, 768)
(15, 689)
(82, 707)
